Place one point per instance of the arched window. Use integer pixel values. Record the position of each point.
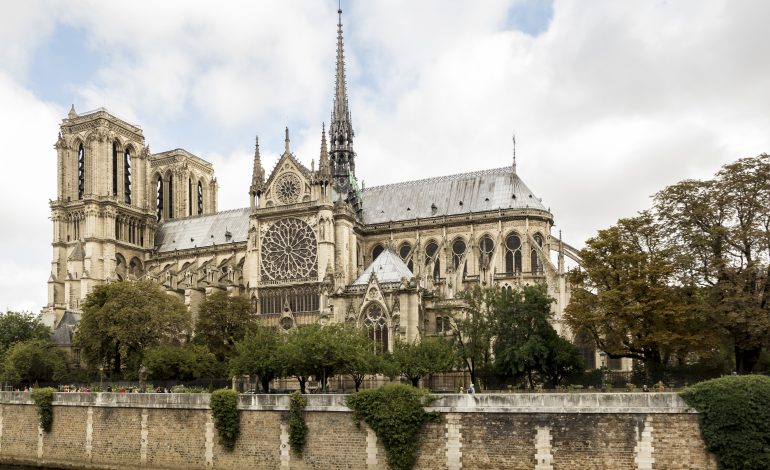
(81, 171)
(458, 250)
(377, 326)
(431, 256)
(486, 248)
(200, 198)
(512, 254)
(159, 197)
(127, 175)
(114, 168)
(537, 265)
(404, 251)
(170, 210)
(189, 196)
(376, 251)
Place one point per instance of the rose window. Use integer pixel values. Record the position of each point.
(287, 188)
(289, 251)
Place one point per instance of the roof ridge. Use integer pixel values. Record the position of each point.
(440, 178)
(200, 216)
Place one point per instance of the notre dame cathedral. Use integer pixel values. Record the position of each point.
(312, 245)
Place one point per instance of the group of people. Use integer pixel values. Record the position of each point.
(471, 389)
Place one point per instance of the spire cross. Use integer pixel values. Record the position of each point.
(286, 140)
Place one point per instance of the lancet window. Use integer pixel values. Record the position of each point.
(170, 191)
(114, 168)
(189, 197)
(127, 175)
(81, 171)
(404, 251)
(377, 326)
(376, 251)
(512, 254)
(299, 299)
(458, 251)
(200, 198)
(159, 197)
(486, 250)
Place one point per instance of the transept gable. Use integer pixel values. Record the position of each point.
(289, 182)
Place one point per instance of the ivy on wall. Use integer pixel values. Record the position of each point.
(734, 419)
(297, 425)
(396, 414)
(43, 398)
(224, 408)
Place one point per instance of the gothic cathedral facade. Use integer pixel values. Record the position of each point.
(312, 245)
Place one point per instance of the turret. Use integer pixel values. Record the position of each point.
(257, 178)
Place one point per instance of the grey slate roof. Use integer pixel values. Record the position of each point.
(478, 191)
(203, 230)
(65, 329)
(388, 267)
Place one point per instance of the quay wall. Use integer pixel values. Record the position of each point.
(612, 431)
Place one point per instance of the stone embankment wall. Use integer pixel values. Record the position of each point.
(517, 431)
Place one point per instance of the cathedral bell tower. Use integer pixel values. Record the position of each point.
(103, 222)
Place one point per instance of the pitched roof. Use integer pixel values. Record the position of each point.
(478, 191)
(388, 267)
(203, 230)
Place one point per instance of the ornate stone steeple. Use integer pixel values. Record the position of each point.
(257, 177)
(341, 129)
(324, 168)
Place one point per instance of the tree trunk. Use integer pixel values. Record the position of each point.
(265, 383)
(746, 359)
(302, 381)
(117, 364)
(415, 381)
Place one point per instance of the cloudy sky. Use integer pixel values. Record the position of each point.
(610, 101)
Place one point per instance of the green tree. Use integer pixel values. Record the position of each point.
(316, 350)
(259, 354)
(20, 326)
(121, 320)
(418, 359)
(179, 362)
(526, 345)
(222, 321)
(361, 359)
(631, 298)
(472, 331)
(723, 226)
(33, 361)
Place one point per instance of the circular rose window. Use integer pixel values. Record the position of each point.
(289, 251)
(287, 188)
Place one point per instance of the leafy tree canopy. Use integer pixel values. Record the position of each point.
(222, 321)
(34, 361)
(259, 354)
(180, 362)
(630, 298)
(122, 320)
(430, 355)
(20, 326)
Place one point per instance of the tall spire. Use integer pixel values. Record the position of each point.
(341, 133)
(286, 141)
(258, 173)
(323, 162)
(514, 153)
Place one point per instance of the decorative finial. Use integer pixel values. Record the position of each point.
(286, 141)
(514, 153)
(72, 114)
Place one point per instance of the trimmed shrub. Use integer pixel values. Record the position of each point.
(224, 407)
(297, 425)
(395, 413)
(734, 419)
(43, 398)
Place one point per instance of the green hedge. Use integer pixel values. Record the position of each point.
(395, 413)
(297, 425)
(224, 407)
(43, 398)
(734, 419)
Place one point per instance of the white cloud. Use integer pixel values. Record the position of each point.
(610, 103)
